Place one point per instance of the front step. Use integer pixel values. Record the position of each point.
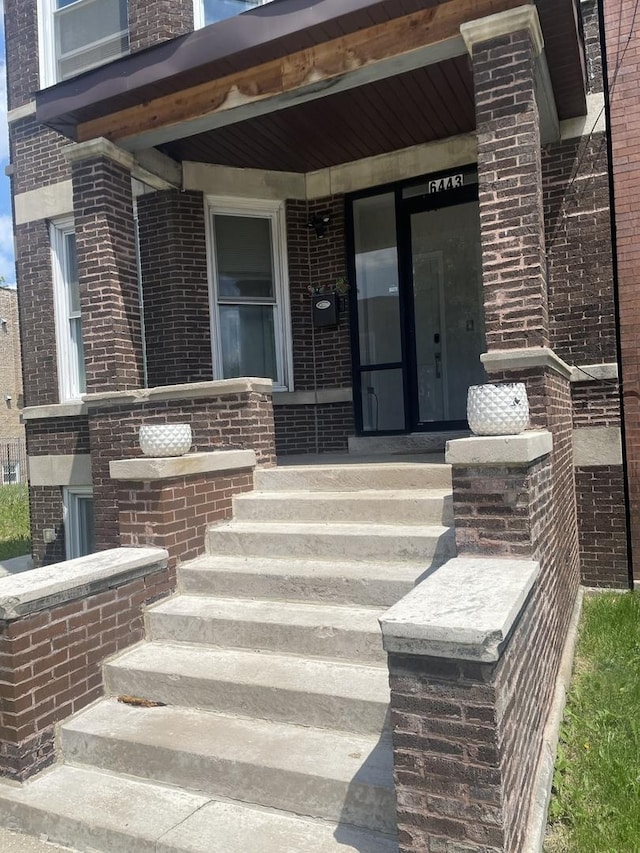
(409, 506)
(362, 542)
(114, 814)
(344, 478)
(283, 688)
(288, 579)
(315, 630)
(318, 773)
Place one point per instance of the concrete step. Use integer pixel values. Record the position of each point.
(417, 442)
(89, 810)
(363, 542)
(354, 477)
(313, 772)
(329, 581)
(409, 506)
(323, 694)
(317, 630)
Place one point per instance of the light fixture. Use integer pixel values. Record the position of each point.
(319, 222)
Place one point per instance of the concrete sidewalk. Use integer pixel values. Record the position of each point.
(11, 842)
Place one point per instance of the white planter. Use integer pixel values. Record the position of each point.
(165, 439)
(498, 409)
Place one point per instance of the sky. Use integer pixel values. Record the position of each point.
(7, 268)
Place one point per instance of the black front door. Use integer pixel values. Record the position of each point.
(417, 300)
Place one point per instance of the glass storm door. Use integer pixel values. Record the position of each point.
(447, 312)
(417, 304)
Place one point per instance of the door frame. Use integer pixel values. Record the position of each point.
(404, 209)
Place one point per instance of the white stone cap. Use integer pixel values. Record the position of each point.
(50, 586)
(500, 449)
(55, 410)
(189, 391)
(595, 372)
(503, 23)
(524, 358)
(165, 468)
(464, 610)
(100, 147)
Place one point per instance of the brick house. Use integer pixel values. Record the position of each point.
(193, 189)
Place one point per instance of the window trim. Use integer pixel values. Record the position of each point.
(274, 211)
(71, 518)
(47, 60)
(68, 366)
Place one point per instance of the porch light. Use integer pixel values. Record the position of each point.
(319, 222)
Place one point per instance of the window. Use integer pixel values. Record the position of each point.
(78, 521)
(77, 35)
(71, 377)
(209, 11)
(10, 473)
(249, 298)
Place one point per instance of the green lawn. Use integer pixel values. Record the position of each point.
(14, 521)
(596, 802)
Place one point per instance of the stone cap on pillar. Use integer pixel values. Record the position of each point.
(503, 23)
(520, 449)
(464, 610)
(79, 151)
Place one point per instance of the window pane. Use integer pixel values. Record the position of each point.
(85, 525)
(248, 341)
(217, 10)
(382, 400)
(89, 22)
(78, 354)
(377, 279)
(244, 257)
(72, 272)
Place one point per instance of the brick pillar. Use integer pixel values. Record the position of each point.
(510, 177)
(107, 266)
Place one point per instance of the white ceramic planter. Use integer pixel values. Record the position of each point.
(498, 409)
(165, 439)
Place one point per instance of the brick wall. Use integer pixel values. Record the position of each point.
(153, 21)
(234, 421)
(313, 429)
(596, 403)
(603, 526)
(622, 45)
(35, 301)
(36, 154)
(21, 34)
(58, 436)
(174, 514)
(46, 510)
(176, 287)
(108, 275)
(10, 366)
(50, 666)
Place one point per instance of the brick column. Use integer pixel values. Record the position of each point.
(504, 51)
(107, 266)
(153, 21)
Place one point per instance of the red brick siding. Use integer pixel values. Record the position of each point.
(175, 514)
(58, 436)
(21, 38)
(578, 226)
(623, 48)
(176, 288)
(596, 403)
(236, 421)
(50, 666)
(510, 193)
(35, 304)
(36, 154)
(603, 526)
(313, 429)
(108, 274)
(152, 21)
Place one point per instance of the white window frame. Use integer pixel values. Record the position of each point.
(48, 63)
(69, 386)
(71, 497)
(6, 478)
(198, 12)
(274, 211)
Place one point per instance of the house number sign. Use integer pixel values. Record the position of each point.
(451, 182)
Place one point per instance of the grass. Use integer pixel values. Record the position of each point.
(14, 521)
(596, 802)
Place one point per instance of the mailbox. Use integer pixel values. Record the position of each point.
(326, 309)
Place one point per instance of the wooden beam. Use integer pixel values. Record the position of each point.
(349, 60)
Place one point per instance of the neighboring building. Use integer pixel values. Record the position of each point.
(13, 463)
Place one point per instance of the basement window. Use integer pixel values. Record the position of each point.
(78, 521)
(211, 11)
(77, 35)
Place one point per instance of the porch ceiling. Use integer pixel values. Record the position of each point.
(239, 93)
